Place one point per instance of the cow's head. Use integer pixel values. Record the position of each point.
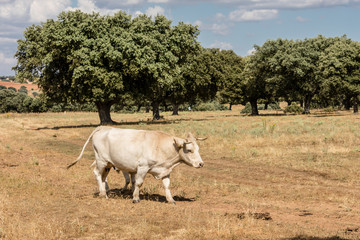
(189, 150)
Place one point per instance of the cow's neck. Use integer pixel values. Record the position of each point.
(168, 166)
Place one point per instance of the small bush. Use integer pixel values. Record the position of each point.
(271, 106)
(56, 108)
(23, 89)
(274, 106)
(209, 106)
(12, 89)
(329, 109)
(247, 109)
(294, 108)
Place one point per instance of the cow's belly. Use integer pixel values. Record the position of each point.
(126, 163)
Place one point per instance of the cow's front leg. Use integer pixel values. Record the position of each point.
(166, 183)
(132, 181)
(139, 179)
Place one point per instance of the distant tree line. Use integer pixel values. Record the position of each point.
(148, 62)
(326, 70)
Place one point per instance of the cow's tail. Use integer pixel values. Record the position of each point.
(82, 151)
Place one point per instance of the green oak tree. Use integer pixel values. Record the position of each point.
(199, 79)
(340, 67)
(79, 57)
(163, 53)
(82, 57)
(231, 83)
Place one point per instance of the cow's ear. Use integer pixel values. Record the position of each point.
(190, 137)
(179, 142)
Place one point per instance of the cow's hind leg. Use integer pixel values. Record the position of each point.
(101, 173)
(166, 183)
(102, 184)
(105, 173)
(127, 180)
(139, 179)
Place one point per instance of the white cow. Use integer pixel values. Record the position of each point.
(140, 152)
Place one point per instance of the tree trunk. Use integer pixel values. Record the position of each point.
(175, 109)
(156, 111)
(254, 109)
(165, 107)
(230, 106)
(104, 113)
(307, 102)
(356, 104)
(347, 103)
(139, 108)
(266, 106)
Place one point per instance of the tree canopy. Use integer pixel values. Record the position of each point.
(106, 60)
(84, 57)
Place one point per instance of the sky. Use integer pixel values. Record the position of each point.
(227, 24)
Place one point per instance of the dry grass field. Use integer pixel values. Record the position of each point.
(266, 177)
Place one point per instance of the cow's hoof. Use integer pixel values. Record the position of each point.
(136, 201)
(103, 196)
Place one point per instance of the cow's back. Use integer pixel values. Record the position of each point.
(128, 148)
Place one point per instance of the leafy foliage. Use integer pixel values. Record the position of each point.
(11, 101)
(293, 108)
(84, 57)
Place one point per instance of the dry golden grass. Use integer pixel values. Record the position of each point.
(302, 171)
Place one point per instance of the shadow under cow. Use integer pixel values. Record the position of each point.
(127, 194)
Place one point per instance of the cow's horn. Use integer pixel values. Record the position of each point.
(201, 139)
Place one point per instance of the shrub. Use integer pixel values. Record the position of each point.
(294, 108)
(56, 108)
(209, 106)
(274, 106)
(329, 109)
(37, 105)
(12, 89)
(23, 89)
(246, 109)
(6, 101)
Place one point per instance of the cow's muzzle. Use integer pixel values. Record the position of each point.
(201, 165)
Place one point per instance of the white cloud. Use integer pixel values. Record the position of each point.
(41, 10)
(301, 19)
(253, 15)
(130, 2)
(154, 11)
(14, 10)
(251, 51)
(7, 40)
(281, 4)
(220, 17)
(158, 1)
(87, 6)
(217, 28)
(221, 45)
(137, 13)
(221, 29)
(7, 60)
